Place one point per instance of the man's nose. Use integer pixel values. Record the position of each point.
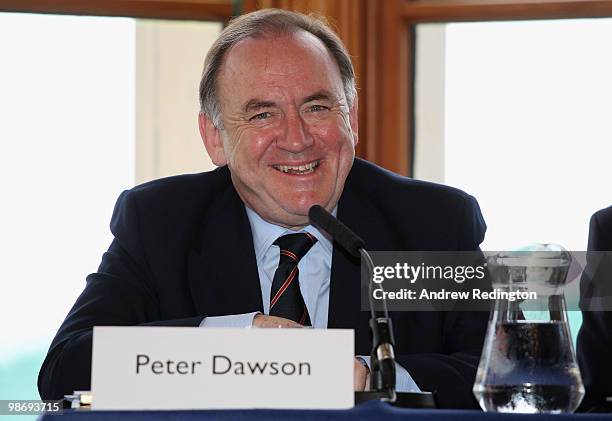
(296, 137)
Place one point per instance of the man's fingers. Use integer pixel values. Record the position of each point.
(264, 321)
(360, 376)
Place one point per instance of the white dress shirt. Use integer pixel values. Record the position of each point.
(314, 278)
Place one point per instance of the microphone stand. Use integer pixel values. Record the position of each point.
(383, 375)
(383, 354)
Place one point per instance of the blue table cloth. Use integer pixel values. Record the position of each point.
(367, 411)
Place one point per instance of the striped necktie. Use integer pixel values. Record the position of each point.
(285, 297)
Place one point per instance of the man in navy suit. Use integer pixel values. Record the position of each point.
(279, 118)
(595, 335)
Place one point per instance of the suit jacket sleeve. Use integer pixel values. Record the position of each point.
(595, 335)
(451, 374)
(118, 294)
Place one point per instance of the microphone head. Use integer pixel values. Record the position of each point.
(317, 213)
(347, 239)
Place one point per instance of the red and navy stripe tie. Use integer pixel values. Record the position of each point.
(285, 297)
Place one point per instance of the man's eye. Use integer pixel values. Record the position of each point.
(261, 116)
(316, 108)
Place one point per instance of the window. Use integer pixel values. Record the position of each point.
(67, 149)
(517, 114)
(90, 107)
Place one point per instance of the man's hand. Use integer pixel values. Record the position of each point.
(361, 375)
(360, 372)
(261, 320)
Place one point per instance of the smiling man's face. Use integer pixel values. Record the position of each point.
(289, 136)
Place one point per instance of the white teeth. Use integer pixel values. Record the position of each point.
(299, 169)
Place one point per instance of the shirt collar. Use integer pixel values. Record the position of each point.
(265, 233)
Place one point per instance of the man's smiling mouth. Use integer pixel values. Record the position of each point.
(298, 169)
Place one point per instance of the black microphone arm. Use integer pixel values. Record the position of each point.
(383, 343)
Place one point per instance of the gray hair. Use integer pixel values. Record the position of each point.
(264, 23)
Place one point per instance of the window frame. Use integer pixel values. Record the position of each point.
(160, 9)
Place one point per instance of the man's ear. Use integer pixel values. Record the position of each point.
(354, 120)
(213, 142)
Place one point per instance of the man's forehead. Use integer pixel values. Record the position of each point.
(267, 68)
(282, 53)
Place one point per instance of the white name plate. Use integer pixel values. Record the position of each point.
(140, 368)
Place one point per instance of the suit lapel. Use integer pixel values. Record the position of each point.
(357, 211)
(223, 272)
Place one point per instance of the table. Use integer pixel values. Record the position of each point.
(374, 411)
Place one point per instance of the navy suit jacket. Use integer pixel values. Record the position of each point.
(594, 346)
(183, 250)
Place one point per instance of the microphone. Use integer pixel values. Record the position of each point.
(383, 354)
(339, 232)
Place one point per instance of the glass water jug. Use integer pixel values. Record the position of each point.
(528, 363)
